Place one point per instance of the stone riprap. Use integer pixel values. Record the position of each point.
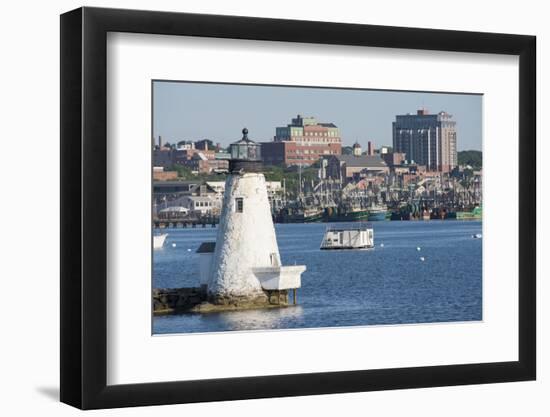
(194, 300)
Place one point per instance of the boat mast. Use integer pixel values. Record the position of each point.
(300, 181)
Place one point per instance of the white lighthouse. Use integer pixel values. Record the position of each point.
(246, 266)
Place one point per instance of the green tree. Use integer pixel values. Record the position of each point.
(183, 172)
(472, 158)
(347, 150)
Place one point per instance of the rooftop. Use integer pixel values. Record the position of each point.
(363, 160)
(351, 226)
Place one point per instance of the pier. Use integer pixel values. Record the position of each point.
(185, 222)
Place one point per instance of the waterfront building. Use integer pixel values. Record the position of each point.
(185, 145)
(163, 157)
(427, 139)
(346, 167)
(172, 212)
(202, 163)
(161, 174)
(246, 266)
(163, 188)
(302, 142)
(204, 145)
(177, 193)
(273, 187)
(393, 159)
(201, 157)
(201, 205)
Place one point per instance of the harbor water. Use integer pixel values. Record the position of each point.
(418, 272)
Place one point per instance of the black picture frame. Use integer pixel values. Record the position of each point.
(84, 207)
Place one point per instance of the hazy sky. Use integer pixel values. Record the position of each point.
(193, 111)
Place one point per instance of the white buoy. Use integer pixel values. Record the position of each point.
(173, 245)
(422, 258)
(381, 245)
(418, 248)
(188, 250)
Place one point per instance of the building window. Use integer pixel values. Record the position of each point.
(239, 205)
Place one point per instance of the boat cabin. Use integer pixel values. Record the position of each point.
(360, 236)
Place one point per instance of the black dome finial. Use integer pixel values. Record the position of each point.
(245, 133)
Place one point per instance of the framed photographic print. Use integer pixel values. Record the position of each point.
(256, 208)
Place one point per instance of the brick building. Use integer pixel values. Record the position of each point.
(393, 159)
(159, 174)
(302, 142)
(203, 164)
(202, 161)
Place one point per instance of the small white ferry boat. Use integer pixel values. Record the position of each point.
(158, 240)
(358, 236)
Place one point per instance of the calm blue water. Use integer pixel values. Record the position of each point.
(385, 285)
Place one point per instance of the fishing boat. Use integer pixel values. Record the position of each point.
(301, 215)
(377, 213)
(347, 214)
(475, 214)
(158, 240)
(357, 236)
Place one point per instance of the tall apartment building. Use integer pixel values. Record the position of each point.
(427, 139)
(302, 142)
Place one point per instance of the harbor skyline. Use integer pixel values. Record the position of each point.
(192, 111)
(304, 231)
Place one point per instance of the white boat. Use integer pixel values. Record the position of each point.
(158, 240)
(360, 236)
(477, 236)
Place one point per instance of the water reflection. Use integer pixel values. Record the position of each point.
(274, 318)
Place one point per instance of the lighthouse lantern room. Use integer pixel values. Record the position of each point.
(245, 155)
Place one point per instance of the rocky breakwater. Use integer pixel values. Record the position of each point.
(195, 300)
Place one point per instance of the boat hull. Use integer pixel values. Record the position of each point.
(349, 248)
(301, 217)
(475, 214)
(158, 241)
(377, 217)
(351, 216)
